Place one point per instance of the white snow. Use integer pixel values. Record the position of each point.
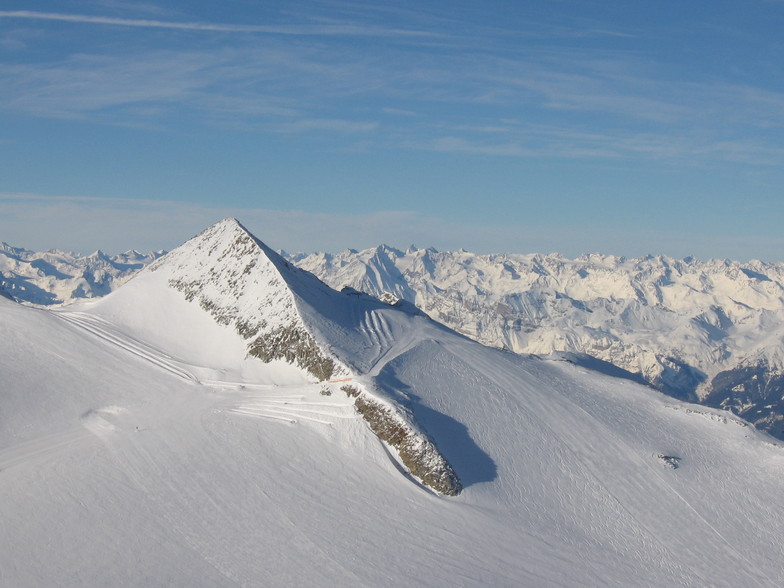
(139, 446)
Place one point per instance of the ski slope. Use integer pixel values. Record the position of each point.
(140, 445)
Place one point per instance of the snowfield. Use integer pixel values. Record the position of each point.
(142, 444)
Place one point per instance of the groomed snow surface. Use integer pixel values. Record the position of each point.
(140, 446)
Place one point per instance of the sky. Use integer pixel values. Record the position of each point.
(571, 126)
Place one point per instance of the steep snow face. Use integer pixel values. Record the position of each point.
(677, 323)
(57, 277)
(122, 463)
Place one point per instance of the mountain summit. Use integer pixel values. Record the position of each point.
(286, 315)
(225, 418)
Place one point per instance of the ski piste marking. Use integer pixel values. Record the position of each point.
(268, 416)
(293, 408)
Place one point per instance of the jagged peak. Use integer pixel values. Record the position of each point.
(98, 255)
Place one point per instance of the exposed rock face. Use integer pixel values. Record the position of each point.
(417, 452)
(293, 344)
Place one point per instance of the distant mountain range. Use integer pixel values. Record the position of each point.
(226, 418)
(709, 332)
(59, 277)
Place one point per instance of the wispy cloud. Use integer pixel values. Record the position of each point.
(461, 145)
(297, 89)
(282, 79)
(326, 124)
(398, 112)
(547, 142)
(91, 83)
(299, 30)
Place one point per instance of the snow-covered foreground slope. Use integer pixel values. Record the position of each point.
(679, 324)
(141, 444)
(57, 277)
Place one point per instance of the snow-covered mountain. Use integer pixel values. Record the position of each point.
(58, 277)
(710, 332)
(701, 331)
(225, 418)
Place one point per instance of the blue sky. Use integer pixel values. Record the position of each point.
(573, 126)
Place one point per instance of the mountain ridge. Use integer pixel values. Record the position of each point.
(56, 277)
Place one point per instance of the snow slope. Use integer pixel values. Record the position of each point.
(676, 323)
(57, 277)
(140, 444)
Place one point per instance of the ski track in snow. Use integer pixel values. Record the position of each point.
(290, 408)
(105, 330)
(293, 408)
(389, 345)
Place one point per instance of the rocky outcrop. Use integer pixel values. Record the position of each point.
(292, 343)
(417, 452)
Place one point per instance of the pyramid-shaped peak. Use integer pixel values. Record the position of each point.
(228, 227)
(221, 245)
(228, 240)
(226, 265)
(246, 285)
(227, 224)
